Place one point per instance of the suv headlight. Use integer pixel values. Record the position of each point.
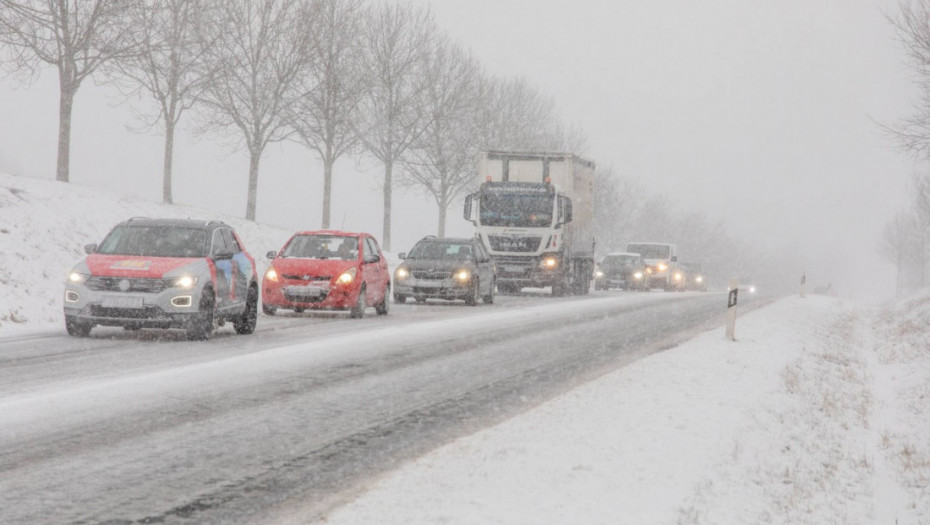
(462, 275)
(184, 281)
(401, 273)
(77, 277)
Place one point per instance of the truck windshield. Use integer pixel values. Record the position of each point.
(526, 211)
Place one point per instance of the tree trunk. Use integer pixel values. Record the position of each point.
(169, 156)
(254, 158)
(65, 104)
(327, 190)
(386, 229)
(442, 220)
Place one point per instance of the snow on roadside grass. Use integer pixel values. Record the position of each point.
(901, 358)
(810, 417)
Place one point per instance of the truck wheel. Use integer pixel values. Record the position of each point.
(489, 299)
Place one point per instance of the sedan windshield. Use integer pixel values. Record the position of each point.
(440, 250)
(155, 241)
(322, 247)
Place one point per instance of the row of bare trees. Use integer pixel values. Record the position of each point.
(905, 240)
(341, 77)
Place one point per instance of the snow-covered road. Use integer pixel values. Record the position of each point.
(148, 426)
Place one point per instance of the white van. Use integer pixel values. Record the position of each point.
(661, 264)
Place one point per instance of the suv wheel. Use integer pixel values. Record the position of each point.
(489, 298)
(76, 328)
(201, 325)
(246, 324)
(472, 298)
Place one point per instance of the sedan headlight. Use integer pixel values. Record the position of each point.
(271, 275)
(638, 275)
(463, 275)
(699, 278)
(77, 277)
(401, 273)
(347, 276)
(185, 281)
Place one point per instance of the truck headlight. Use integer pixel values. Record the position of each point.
(549, 263)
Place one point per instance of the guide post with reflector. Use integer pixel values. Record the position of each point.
(731, 308)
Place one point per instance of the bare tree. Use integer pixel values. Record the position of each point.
(442, 161)
(397, 37)
(617, 205)
(514, 116)
(898, 245)
(259, 53)
(75, 36)
(168, 65)
(332, 87)
(913, 28)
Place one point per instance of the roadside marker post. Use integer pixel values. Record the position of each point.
(803, 281)
(731, 308)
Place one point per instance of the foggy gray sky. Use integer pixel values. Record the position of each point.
(758, 114)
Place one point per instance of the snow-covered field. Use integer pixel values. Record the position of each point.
(818, 413)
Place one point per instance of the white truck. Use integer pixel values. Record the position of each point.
(534, 212)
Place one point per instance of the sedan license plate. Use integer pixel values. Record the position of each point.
(121, 301)
(307, 291)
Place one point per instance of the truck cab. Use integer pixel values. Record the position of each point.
(533, 212)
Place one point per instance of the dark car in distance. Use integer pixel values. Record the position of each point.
(694, 277)
(445, 268)
(624, 270)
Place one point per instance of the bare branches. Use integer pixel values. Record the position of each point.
(913, 29)
(259, 54)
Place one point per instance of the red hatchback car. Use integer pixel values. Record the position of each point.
(327, 270)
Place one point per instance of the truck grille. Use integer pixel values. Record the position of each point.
(501, 243)
(111, 284)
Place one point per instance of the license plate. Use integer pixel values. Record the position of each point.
(425, 283)
(513, 269)
(307, 291)
(121, 301)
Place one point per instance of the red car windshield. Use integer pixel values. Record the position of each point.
(155, 241)
(322, 247)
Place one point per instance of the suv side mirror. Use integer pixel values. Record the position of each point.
(402, 255)
(674, 258)
(90, 248)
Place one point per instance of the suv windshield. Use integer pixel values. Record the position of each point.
(155, 241)
(440, 250)
(650, 251)
(617, 261)
(322, 247)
